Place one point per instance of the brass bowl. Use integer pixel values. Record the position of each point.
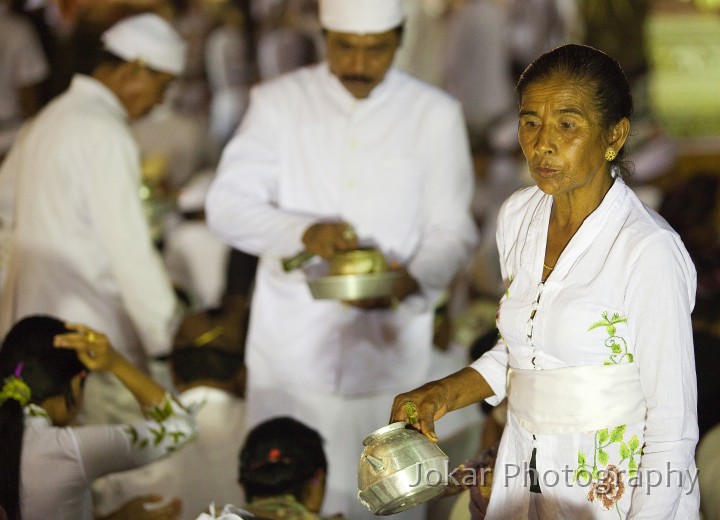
(358, 261)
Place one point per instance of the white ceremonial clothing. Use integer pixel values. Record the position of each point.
(397, 167)
(228, 74)
(81, 245)
(204, 471)
(58, 465)
(477, 63)
(621, 292)
(197, 260)
(22, 64)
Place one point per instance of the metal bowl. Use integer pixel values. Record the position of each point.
(353, 286)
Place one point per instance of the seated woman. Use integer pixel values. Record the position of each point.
(48, 466)
(282, 471)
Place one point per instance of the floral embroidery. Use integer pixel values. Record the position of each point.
(159, 434)
(609, 489)
(607, 484)
(617, 344)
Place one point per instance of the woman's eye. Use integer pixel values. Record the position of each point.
(567, 124)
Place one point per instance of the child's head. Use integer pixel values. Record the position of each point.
(282, 456)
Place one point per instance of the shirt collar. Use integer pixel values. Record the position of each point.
(91, 87)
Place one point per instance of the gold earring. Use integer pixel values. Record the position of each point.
(610, 155)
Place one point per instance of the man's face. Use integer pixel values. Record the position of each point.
(360, 61)
(142, 89)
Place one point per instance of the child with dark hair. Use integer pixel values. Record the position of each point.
(47, 466)
(283, 466)
(282, 471)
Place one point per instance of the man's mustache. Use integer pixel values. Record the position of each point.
(357, 77)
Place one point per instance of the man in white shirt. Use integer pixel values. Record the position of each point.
(351, 146)
(80, 246)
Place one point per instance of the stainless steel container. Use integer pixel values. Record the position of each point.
(399, 469)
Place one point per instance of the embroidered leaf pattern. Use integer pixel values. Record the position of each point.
(617, 344)
(158, 434)
(596, 475)
(605, 478)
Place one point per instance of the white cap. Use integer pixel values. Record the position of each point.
(150, 38)
(361, 16)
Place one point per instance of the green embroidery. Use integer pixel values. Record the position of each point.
(618, 351)
(607, 485)
(158, 433)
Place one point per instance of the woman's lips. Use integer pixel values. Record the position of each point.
(546, 172)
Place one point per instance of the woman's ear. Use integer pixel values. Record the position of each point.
(619, 133)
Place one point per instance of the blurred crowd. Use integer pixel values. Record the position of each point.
(473, 49)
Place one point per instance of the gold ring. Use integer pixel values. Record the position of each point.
(349, 233)
(411, 412)
(91, 337)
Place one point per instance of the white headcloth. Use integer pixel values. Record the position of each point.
(150, 38)
(361, 16)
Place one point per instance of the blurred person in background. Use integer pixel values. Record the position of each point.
(80, 242)
(23, 67)
(347, 150)
(47, 464)
(207, 368)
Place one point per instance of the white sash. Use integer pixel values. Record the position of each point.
(576, 399)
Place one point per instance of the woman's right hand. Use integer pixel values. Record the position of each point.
(93, 348)
(420, 408)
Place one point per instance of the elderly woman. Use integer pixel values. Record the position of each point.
(48, 466)
(596, 355)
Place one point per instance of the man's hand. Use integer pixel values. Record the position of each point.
(325, 239)
(404, 286)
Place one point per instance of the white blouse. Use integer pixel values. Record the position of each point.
(58, 465)
(621, 292)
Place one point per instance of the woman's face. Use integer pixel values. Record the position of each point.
(57, 407)
(560, 136)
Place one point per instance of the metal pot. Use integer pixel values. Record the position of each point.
(399, 469)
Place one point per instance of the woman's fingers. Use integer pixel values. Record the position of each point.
(418, 409)
(92, 347)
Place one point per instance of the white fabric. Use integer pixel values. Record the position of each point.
(196, 260)
(361, 16)
(622, 291)
(59, 464)
(396, 166)
(204, 471)
(81, 245)
(22, 64)
(150, 38)
(546, 401)
(227, 70)
(476, 65)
